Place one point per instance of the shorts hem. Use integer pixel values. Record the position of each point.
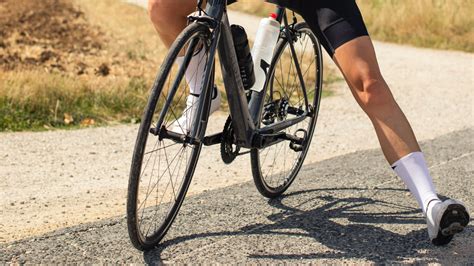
(343, 31)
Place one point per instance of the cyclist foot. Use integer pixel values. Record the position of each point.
(183, 124)
(445, 219)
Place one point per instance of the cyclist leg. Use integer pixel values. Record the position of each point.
(342, 32)
(358, 63)
(169, 17)
(346, 39)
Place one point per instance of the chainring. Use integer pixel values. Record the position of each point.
(229, 150)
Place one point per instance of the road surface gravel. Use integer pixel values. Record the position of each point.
(347, 209)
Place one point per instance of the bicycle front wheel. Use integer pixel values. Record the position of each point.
(287, 97)
(162, 167)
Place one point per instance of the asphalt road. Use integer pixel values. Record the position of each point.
(350, 208)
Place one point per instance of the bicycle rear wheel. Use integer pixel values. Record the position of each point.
(162, 167)
(275, 168)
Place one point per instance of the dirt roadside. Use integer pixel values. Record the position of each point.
(61, 178)
(51, 35)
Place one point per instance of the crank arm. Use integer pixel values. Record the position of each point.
(267, 140)
(163, 133)
(243, 153)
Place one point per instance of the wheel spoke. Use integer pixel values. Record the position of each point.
(164, 166)
(279, 163)
(159, 149)
(157, 182)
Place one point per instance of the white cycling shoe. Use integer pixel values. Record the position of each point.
(183, 124)
(445, 219)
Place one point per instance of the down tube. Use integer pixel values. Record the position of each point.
(242, 122)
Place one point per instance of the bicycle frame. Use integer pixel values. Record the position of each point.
(245, 114)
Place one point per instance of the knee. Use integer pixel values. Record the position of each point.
(162, 12)
(374, 94)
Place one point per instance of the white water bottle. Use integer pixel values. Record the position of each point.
(262, 51)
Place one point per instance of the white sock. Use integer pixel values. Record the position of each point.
(195, 72)
(412, 169)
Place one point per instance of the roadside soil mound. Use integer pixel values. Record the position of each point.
(49, 34)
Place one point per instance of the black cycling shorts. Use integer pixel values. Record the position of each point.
(335, 22)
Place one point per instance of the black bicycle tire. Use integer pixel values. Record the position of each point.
(136, 238)
(259, 181)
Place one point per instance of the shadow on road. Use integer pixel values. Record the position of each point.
(349, 228)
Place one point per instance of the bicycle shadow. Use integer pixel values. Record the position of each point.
(339, 224)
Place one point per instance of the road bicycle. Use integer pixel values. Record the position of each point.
(274, 125)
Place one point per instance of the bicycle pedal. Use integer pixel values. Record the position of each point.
(296, 147)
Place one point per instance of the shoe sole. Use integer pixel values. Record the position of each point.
(454, 220)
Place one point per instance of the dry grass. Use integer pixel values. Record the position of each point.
(443, 24)
(35, 99)
(129, 30)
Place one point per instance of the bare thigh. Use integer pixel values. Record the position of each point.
(169, 17)
(358, 63)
